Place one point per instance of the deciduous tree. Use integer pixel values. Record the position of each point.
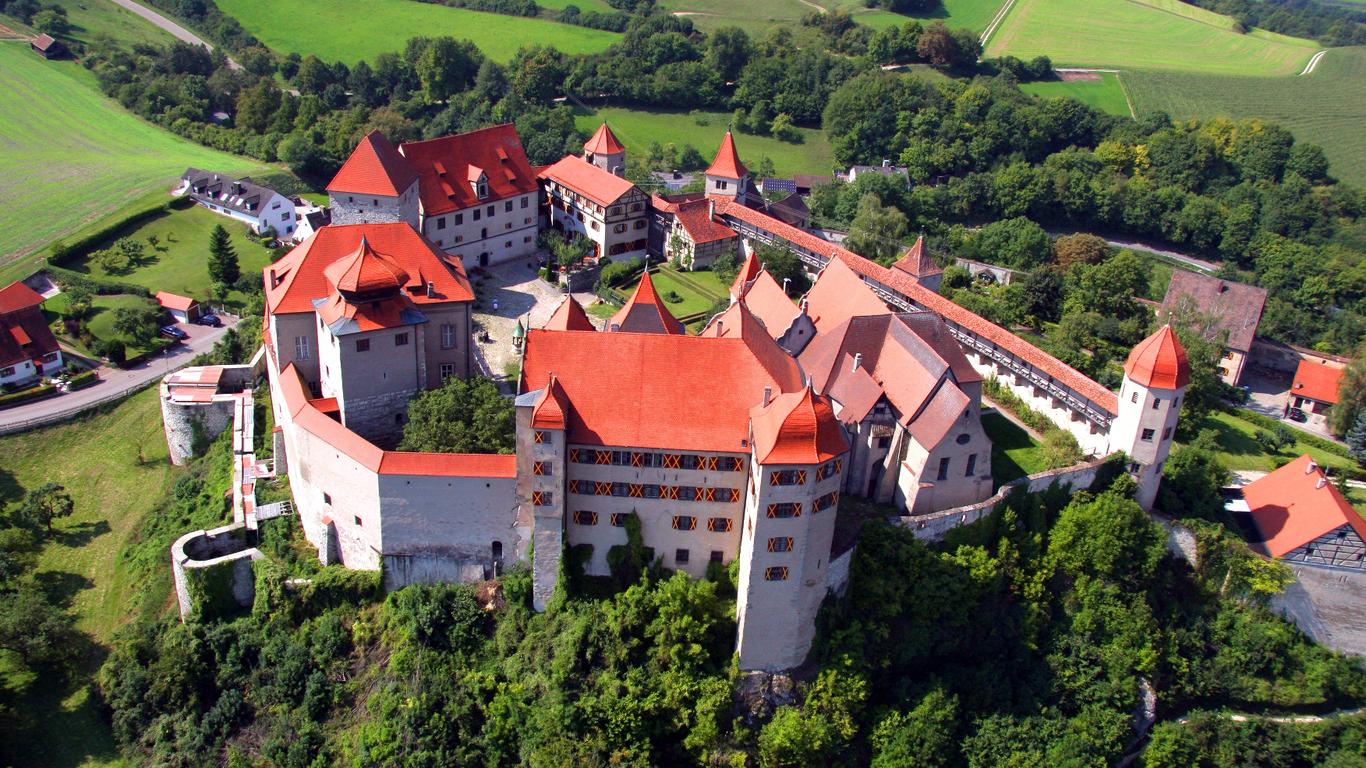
(462, 416)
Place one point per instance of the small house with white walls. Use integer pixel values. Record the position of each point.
(260, 208)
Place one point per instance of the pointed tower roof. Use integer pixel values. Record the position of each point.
(374, 168)
(551, 410)
(604, 142)
(916, 261)
(748, 271)
(645, 312)
(365, 270)
(797, 428)
(569, 316)
(1159, 361)
(727, 164)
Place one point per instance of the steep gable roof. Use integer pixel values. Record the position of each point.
(604, 142)
(766, 299)
(444, 167)
(24, 333)
(698, 221)
(1296, 504)
(175, 301)
(588, 180)
(1316, 381)
(748, 271)
(17, 296)
(644, 312)
(917, 262)
(297, 279)
(1159, 361)
(797, 428)
(569, 316)
(551, 410)
(375, 167)
(838, 294)
(1234, 307)
(727, 164)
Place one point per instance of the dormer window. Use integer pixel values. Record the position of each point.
(482, 189)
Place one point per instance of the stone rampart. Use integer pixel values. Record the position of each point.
(212, 571)
(179, 420)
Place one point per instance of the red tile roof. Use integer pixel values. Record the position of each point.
(797, 428)
(409, 463)
(587, 179)
(1317, 381)
(1159, 361)
(837, 295)
(604, 142)
(917, 262)
(748, 271)
(367, 315)
(443, 168)
(697, 220)
(1234, 307)
(644, 312)
(365, 270)
(16, 296)
(765, 298)
(909, 287)
(43, 41)
(569, 316)
(1296, 504)
(298, 277)
(374, 168)
(551, 410)
(175, 301)
(727, 164)
(623, 388)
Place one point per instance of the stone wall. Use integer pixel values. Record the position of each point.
(203, 562)
(179, 419)
(837, 578)
(1002, 275)
(447, 528)
(932, 527)
(1286, 358)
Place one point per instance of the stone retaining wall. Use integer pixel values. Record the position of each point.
(201, 561)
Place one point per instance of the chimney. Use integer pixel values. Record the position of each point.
(768, 395)
(274, 281)
(711, 209)
(1309, 470)
(1322, 482)
(803, 305)
(858, 360)
(431, 289)
(720, 328)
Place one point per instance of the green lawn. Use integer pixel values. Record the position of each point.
(757, 15)
(694, 301)
(583, 5)
(1154, 34)
(637, 128)
(1014, 453)
(91, 19)
(71, 156)
(1318, 108)
(97, 459)
(101, 321)
(351, 30)
(1105, 94)
(179, 263)
(1239, 449)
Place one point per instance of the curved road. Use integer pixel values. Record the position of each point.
(174, 29)
(1199, 265)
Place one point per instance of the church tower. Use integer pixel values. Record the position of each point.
(604, 151)
(727, 176)
(1155, 379)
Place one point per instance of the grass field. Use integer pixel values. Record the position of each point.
(638, 128)
(1153, 34)
(351, 30)
(1105, 94)
(179, 263)
(80, 156)
(1014, 453)
(1318, 108)
(756, 15)
(97, 459)
(94, 18)
(1239, 449)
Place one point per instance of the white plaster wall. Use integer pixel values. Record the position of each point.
(443, 528)
(510, 234)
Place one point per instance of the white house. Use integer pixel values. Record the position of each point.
(260, 208)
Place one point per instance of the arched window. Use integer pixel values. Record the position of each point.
(497, 550)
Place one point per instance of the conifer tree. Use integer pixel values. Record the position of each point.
(1356, 439)
(223, 267)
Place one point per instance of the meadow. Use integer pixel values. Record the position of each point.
(352, 30)
(1105, 93)
(72, 156)
(92, 18)
(1154, 34)
(1318, 108)
(710, 14)
(638, 128)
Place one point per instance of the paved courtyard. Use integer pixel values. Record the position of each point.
(1326, 605)
(518, 294)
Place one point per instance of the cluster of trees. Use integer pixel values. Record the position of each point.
(1330, 23)
(44, 17)
(462, 416)
(1242, 191)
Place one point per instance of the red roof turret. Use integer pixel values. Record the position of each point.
(365, 271)
(644, 312)
(374, 168)
(569, 316)
(552, 407)
(797, 428)
(917, 262)
(727, 164)
(1159, 361)
(604, 142)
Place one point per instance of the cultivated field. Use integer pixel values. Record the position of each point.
(1325, 107)
(1104, 92)
(351, 30)
(1153, 34)
(638, 128)
(68, 155)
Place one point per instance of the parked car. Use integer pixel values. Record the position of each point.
(209, 320)
(172, 332)
(1295, 414)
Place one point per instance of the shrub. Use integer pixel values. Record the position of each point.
(26, 395)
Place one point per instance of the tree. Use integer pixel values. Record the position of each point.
(1017, 243)
(1109, 537)
(257, 105)
(35, 629)
(923, 737)
(939, 47)
(447, 66)
(463, 416)
(44, 504)
(876, 231)
(783, 264)
(53, 21)
(1351, 395)
(571, 251)
(223, 267)
(1080, 248)
(1191, 480)
(1356, 439)
(137, 324)
(299, 153)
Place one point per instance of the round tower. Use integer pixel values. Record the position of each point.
(604, 151)
(1155, 379)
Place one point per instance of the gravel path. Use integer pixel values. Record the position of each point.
(518, 294)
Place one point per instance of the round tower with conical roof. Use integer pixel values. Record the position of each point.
(604, 151)
(1155, 379)
(727, 176)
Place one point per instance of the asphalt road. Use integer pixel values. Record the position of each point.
(176, 31)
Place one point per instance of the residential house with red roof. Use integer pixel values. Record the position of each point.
(28, 349)
(1297, 514)
(375, 185)
(1225, 311)
(583, 196)
(1314, 390)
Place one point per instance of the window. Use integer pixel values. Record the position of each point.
(540, 436)
(780, 544)
(356, 519)
(719, 524)
(720, 185)
(497, 550)
(301, 347)
(826, 501)
(788, 509)
(362, 345)
(440, 222)
(477, 214)
(716, 556)
(618, 228)
(684, 523)
(775, 573)
(972, 466)
(447, 371)
(618, 520)
(539, 468)
(327, 497)
(787, 477)
(1133, 397)
(640, 224)
(1157, 402)
(459, 219)
(524, 202)
(943, 469)
(584, 517)
(1147, 436)
(963, 439)
(489, 211)
(447, 336)
(1167, 434)
(829, 469)
(401, 340)
(507, 207)
(7, 371)
(542, 498)
(483, 190)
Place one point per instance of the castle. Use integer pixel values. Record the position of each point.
(734, 444)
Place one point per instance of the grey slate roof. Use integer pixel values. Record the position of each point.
(241, 195)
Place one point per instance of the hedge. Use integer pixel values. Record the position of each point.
(18, 398)
(82, 380)
(1314, 441)
(70, 279)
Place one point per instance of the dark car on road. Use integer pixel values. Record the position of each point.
(172, 332)
(209, 320)
(1295, 414)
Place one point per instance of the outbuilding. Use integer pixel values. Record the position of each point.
(183, 308)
